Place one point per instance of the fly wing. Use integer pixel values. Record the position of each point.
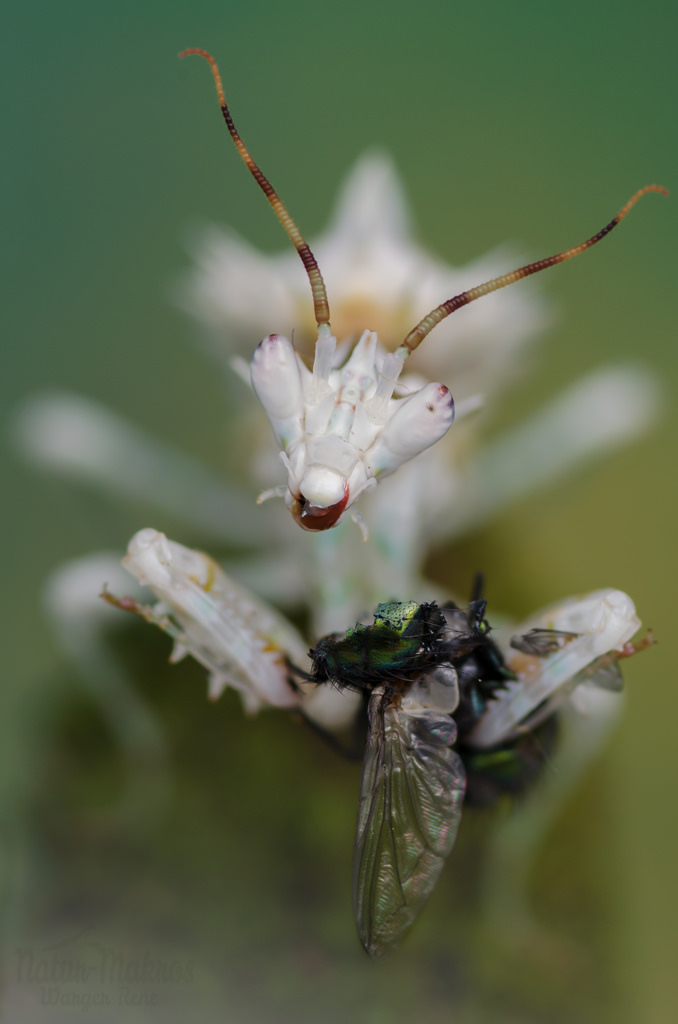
(542, 642)
(605, 673)
(411, 793)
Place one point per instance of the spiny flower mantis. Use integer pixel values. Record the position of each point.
(341, 427)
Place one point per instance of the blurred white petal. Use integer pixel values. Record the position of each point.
(600, 413)
(378, 278)
(80, 438)
(509, 860)
(82, 622)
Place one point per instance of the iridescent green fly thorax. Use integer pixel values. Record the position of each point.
(405, 641)
(398, 615)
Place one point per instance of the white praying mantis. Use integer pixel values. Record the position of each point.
(342, 427)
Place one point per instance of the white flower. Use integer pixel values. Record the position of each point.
(378, 277)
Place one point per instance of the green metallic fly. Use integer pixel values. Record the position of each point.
(419, 666)
(430, 677)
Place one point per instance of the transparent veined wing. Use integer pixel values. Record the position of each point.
(599, 625)
(605, 673)
(411, 794)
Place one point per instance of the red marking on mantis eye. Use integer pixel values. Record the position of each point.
(319, 517)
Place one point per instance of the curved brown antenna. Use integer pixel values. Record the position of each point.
(418, 333)
(320, 304)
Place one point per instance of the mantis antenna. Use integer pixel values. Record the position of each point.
(320, 303)
(418, 333)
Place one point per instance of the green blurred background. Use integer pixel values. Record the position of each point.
(529, 122)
